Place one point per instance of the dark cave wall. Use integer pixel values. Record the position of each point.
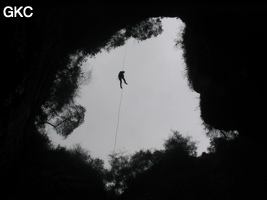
(33, 50)
(225, 48)
(225, 56)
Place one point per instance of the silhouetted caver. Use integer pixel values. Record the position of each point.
(121, 77)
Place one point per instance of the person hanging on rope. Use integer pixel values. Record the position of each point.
(121, 77)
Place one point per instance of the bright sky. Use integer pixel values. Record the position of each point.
(156, 100)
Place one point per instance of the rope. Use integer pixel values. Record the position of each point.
(118, 121)
(119, 113)
(124, 57)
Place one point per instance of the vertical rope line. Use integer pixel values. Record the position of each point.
(119, 113)
(124, 56)
(118, 121)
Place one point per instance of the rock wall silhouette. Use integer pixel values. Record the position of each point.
(225, 48)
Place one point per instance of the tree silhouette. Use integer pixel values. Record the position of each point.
(49, 172)
(179, 143)
(149, 173)
(225, 66)
(126, 168)
(72, 117)
(142, 31)
(232, 169)
(42, 57)
(225, 60)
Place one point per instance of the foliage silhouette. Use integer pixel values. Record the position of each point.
(43, 62)
(67, 121)
(142, 31)
(42, 56)
(126, 171)
(48, 172)
(232, 169)
(225, 64)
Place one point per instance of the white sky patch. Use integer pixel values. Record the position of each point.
(156, 99)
